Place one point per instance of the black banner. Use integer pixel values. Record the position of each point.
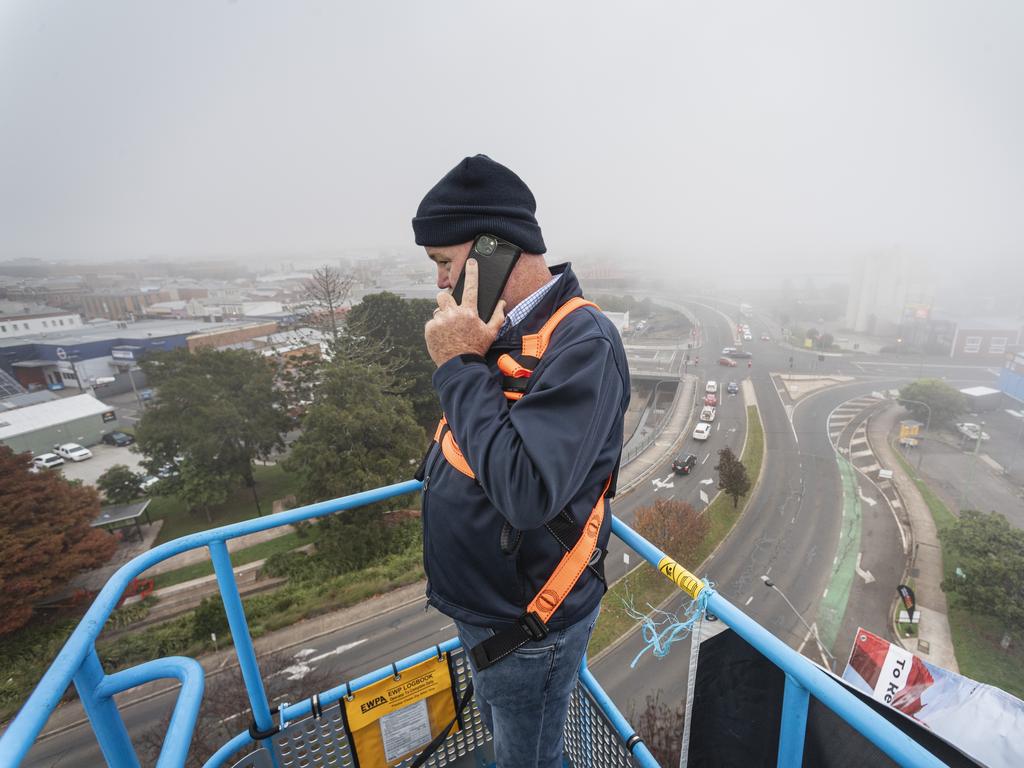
(737, 714)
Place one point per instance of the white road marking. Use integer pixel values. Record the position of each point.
(708, 481)
(706, 458)
(666, 483)
(303, 666)
(824, 594)
(866, 499)
(749, 600)
(866, 575)
(625, 558)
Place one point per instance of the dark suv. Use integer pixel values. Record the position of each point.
(684, 464)
(120, 439)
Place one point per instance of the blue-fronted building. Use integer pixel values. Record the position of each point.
(1011, 377)
(80, 357)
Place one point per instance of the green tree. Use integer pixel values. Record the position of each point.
(394, 327)
(216, 412)
(355, 436)
(45, 537)
(990, 553)
(946, 402)
(119, 484)
(732, 475)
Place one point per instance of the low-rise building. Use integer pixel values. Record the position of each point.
(38, 428)
(18, 319)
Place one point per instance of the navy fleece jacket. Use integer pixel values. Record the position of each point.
(553, 449)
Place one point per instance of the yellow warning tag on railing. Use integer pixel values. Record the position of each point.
(687, 582)
(392, 719)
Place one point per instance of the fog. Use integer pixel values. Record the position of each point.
(742, 137)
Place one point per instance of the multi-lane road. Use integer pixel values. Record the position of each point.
(791, 532)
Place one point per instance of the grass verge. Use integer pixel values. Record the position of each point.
(644, 584)
(24, 659)
(260, 551)
(976, 638)
(272, 482)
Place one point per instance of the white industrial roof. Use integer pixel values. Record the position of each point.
(979, 391)
(33, 417)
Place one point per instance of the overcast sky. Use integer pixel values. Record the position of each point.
(798, 134)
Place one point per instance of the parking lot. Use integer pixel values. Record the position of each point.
(103, 458)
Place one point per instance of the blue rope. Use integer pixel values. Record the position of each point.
(659, 634)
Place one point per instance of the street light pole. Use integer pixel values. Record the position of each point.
(812, 630)
(927, 424)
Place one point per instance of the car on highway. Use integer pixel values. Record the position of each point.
(747, 337)
(72, 451)
(702, 431)
(707, 413)
(728, 350)
(711, 399)
(47, 461)
(119, 439)
(727, 362)
(711, 387)
(684, 463)
(741, 353)
(971, 430)
(733, 388)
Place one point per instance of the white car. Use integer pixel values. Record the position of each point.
(73, 451)
(711, 387)
(970, 430)
(728, 350)
(47, 461)
(707, 413)
(747, 337)
(702, 431)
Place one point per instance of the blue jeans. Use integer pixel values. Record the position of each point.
(524, 698)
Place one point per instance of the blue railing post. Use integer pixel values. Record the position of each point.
(243, 641)
(795, 699)
(102, 711)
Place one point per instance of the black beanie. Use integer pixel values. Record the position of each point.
(477, 196)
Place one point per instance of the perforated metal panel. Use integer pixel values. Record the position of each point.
(322, 742)
(590, 740)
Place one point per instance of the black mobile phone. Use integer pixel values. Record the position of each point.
(496, 258)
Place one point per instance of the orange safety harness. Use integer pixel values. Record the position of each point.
(532, 625)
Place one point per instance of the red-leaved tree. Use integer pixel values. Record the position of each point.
(45, 538)
(673, 525)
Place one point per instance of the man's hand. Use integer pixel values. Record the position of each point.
(457, 329)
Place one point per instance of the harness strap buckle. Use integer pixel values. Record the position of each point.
(532, 623)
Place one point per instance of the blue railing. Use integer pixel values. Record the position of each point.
(78, 663)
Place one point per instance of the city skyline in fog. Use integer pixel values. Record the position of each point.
(784, 138)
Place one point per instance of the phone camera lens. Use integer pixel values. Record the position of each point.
(486, 246)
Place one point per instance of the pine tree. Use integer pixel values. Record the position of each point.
(732, 475)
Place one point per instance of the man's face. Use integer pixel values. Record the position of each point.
(450, 259)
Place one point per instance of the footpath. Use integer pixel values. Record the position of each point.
(934, 639)
(71, 715)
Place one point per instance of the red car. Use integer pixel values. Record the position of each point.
(727, 362)
(711, 400)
